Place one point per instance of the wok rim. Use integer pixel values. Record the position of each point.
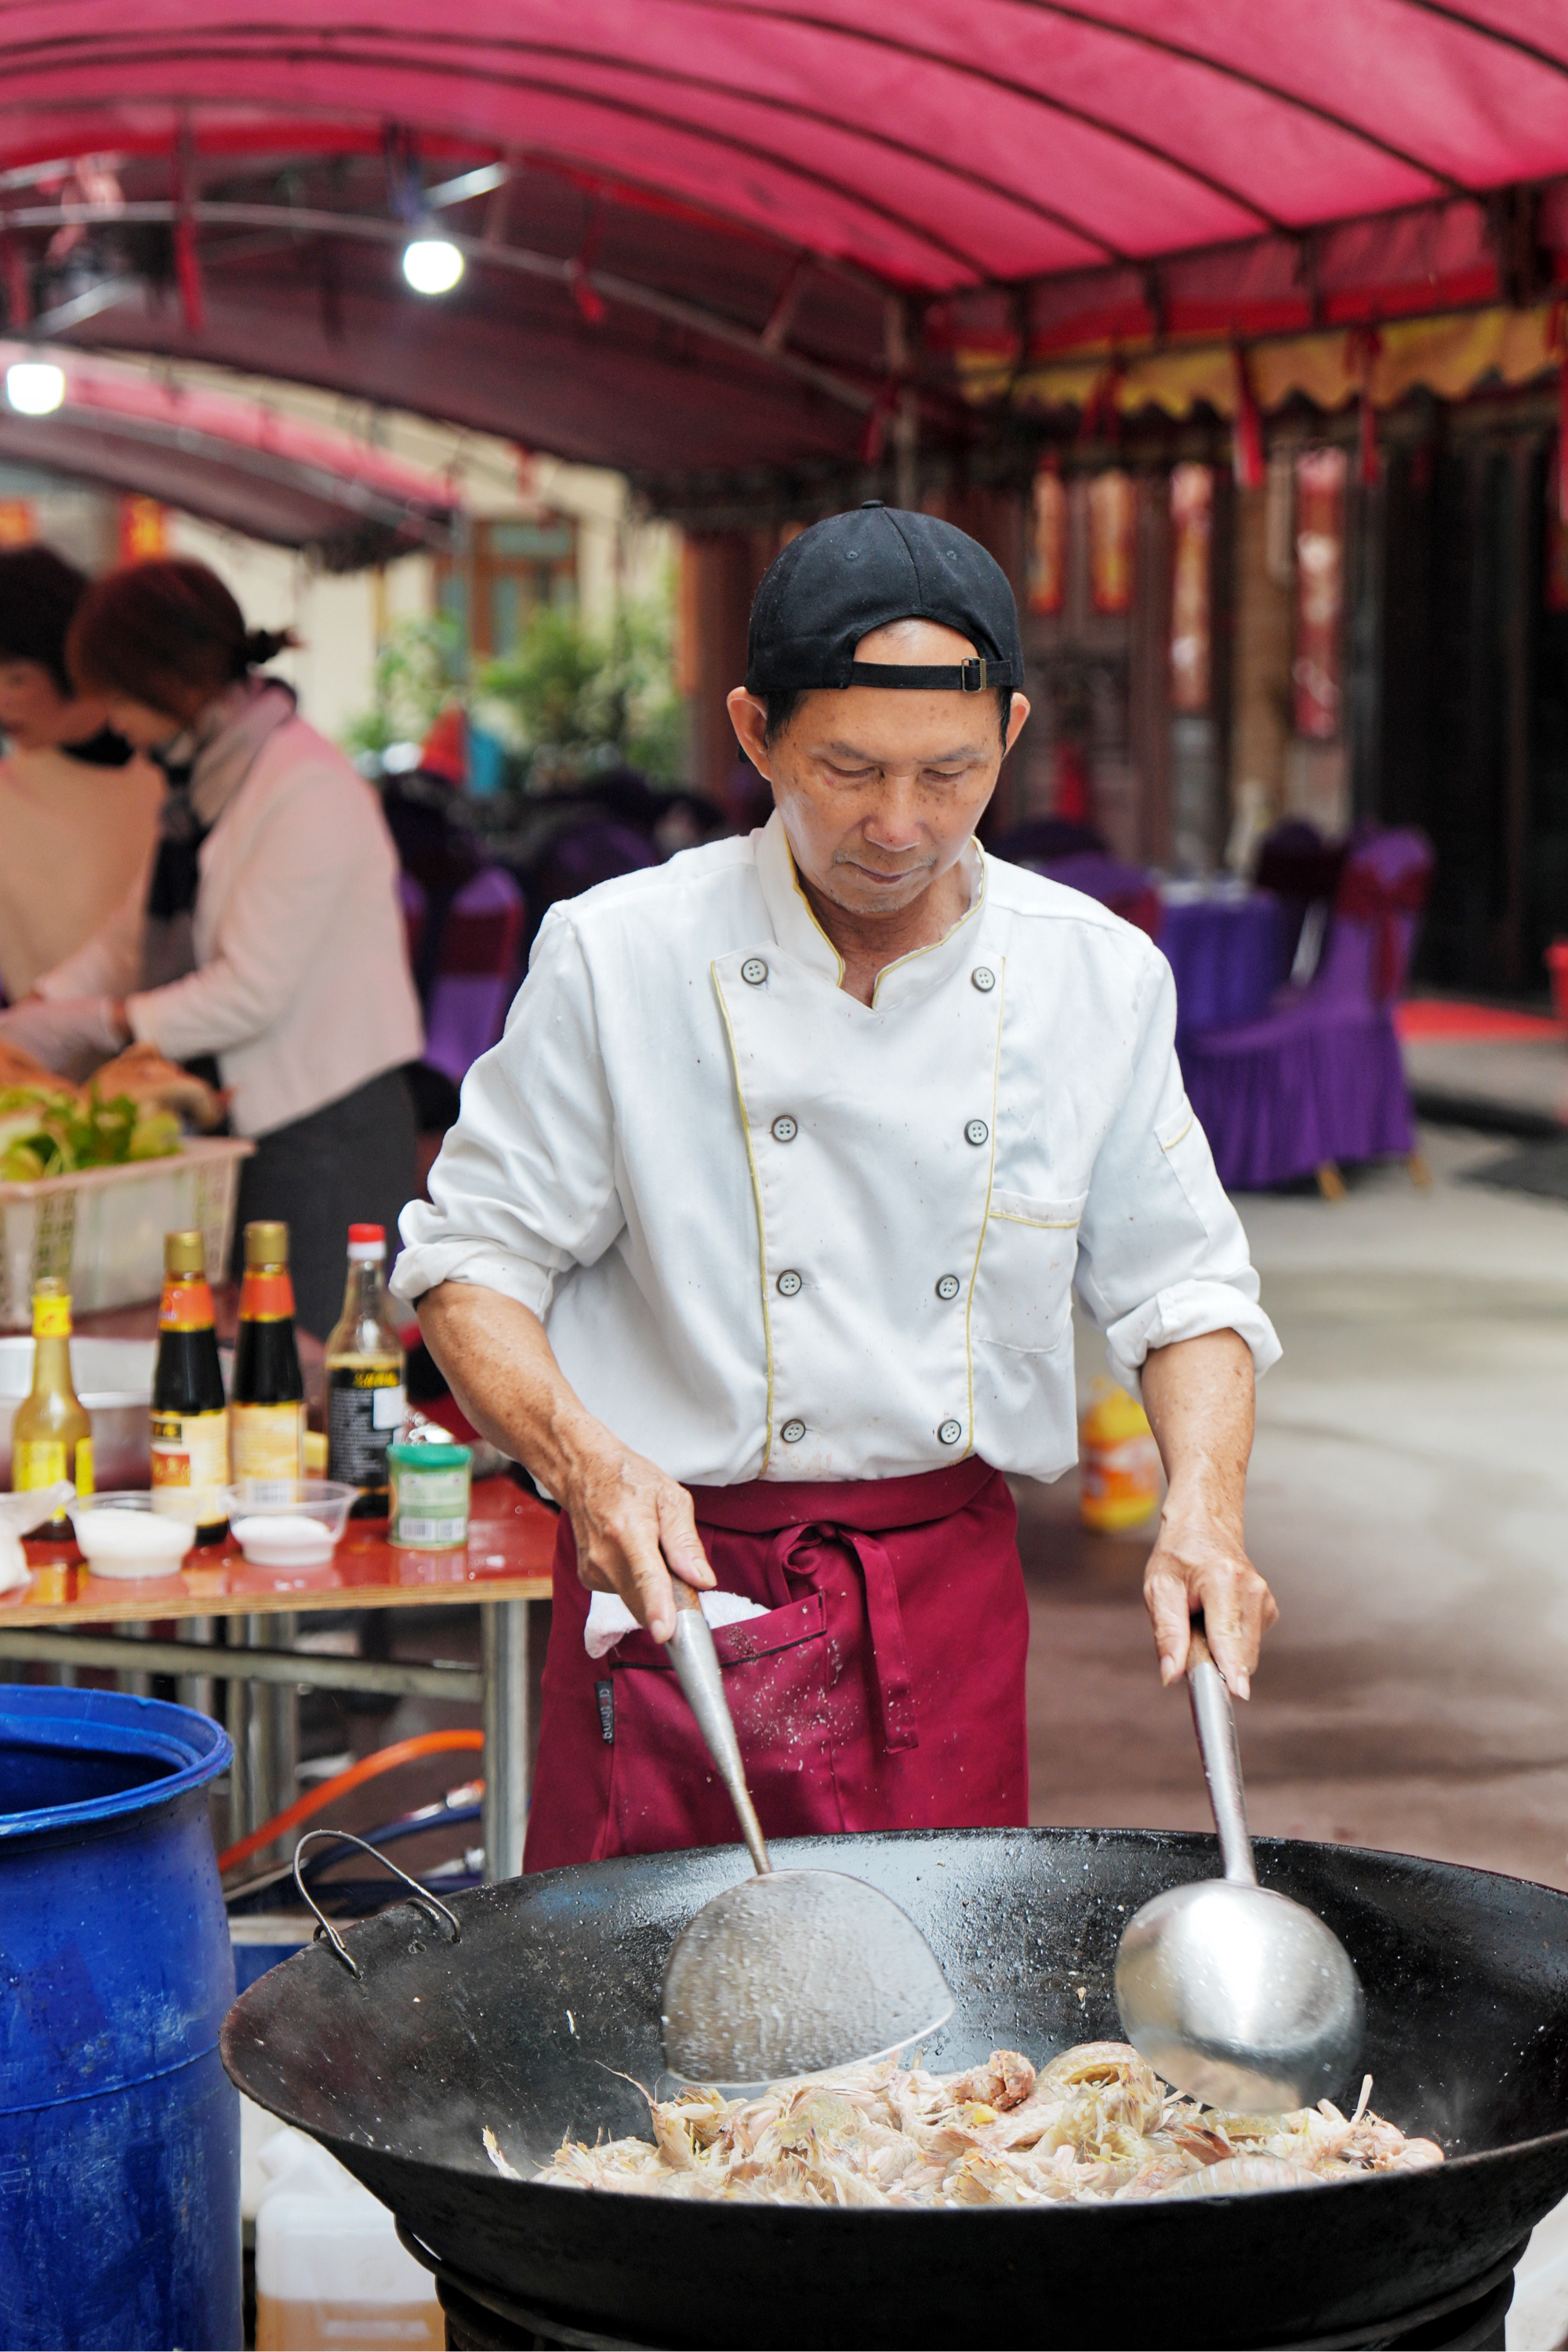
(1187, 1841)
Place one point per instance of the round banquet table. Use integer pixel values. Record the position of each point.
(1225, 946)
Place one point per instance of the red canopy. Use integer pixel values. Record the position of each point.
(236, 462)
(685, 218)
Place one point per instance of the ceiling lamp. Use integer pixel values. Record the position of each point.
(34, 387)
(432, 265)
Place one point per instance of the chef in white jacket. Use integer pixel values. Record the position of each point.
(756, 1237)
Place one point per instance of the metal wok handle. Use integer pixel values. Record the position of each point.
(431, 1905)
(1215, 1726)
(697, 1663)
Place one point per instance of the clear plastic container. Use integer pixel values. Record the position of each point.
(329, 2267)
(301, 1532)
(153, 1544)
(101, 1231)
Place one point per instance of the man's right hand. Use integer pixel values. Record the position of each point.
(633, 1522)
(635, 1528)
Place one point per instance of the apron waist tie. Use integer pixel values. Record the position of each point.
(793, 1550)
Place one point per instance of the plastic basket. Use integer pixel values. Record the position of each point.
(102, 1231)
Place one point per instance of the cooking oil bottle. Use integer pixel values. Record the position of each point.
(364, 1377)
(51, 1436)
(1120, 1462)
(190, 1411)
(267, 1413)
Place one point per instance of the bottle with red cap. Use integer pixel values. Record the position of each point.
(366, 1403)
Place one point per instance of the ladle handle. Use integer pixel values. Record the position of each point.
(1215, 1724)
(697, 1664)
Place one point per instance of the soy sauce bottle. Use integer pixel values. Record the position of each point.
(365, 1398)
(190, 1411)
(267, 1410)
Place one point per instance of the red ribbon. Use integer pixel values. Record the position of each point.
(1366, 898)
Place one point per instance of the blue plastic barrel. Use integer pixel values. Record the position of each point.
(119, 2128)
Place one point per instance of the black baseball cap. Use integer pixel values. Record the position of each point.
(855, 572)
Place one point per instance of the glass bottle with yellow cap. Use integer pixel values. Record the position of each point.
(51, 1436)
(266, 1412)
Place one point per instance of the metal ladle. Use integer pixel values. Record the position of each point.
(793, 1971)
(1233, 1993)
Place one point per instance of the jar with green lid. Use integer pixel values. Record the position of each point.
(429, 1496)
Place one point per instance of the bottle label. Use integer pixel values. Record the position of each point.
(266, 1446)
(41, 1461)
(190, 1465)
(51, 1318)
(267, 1297)
(365, 1409)
(187, 1304)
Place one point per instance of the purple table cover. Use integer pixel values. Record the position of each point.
(1225, 954)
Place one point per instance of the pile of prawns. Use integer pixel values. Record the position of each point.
(1095, 2123)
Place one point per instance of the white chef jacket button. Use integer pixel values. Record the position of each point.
(983, 978)
(949, 1287)
(950, 1431)
(793, 1432)
(789, 1283)
(975, 1132)
(786, 1128)
(753, 971)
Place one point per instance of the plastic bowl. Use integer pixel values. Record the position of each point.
(153, 1544)
(298, 1533)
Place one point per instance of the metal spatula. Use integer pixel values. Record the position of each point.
(1232, 1992)
(793, 1971)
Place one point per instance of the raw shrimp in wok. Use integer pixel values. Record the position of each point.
(1094, 2123)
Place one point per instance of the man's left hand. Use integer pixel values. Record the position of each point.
(1198, 1395)
(1199, 1568)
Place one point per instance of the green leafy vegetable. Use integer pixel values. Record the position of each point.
(44, 1134)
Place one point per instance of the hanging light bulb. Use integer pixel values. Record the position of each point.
(34, 387)
(432, 265)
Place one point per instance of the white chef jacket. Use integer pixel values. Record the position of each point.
(774, 1233)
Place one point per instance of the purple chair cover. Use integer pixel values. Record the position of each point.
(476, 979)
(1320, 1078)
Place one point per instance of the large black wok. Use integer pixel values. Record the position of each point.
(554, 1984)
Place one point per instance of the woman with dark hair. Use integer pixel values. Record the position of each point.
(78, 812)
(270, 937)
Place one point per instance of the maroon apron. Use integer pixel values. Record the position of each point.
(883, 1690)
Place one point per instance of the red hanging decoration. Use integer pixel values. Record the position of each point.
(187, 266)
(1557, 341)
(1365, 346)
(1248, 437)
(1101, 419)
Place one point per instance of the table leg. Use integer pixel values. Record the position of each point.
(243, 1816)
(273, 1726)
(197, 1690)
(138, 1686)
(504, 1664)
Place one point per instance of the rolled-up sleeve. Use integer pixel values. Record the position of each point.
(524, 1190)
(1161, 1253)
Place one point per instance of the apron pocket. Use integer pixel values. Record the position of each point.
(664, 1791)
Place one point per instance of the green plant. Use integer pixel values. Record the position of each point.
(575, 694)
(418, 668)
